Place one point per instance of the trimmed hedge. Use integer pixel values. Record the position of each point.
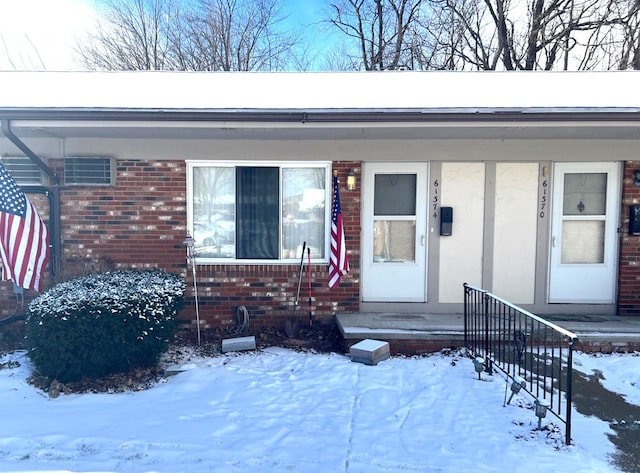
(103, 323)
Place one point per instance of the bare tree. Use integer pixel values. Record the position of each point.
(339, 58)
(379, 29)
(490, 34)
(621, 43)
(239, 35)
(549, 34)
(20, 58)
(132, 35)
(210, 35)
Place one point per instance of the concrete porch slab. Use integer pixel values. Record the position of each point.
(419, 333)
(400, 326)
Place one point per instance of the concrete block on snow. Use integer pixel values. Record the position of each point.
(369, 352)
(238, 344)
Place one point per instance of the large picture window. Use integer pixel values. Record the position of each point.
(258, 212)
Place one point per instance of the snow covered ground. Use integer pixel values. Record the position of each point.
(285, 411)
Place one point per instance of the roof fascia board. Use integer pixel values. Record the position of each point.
(478, 122)
(323, 116)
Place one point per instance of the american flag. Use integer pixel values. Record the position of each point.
(24, 247)
(338, 262)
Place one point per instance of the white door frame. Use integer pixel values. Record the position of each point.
(394, 281)
(585, 283)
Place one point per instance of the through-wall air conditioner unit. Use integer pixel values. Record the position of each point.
(89, 171)
(24, 171)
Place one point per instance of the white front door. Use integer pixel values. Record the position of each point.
(586, 202)
(394, 232)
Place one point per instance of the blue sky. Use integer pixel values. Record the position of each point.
(307, 16)
(305, 12)
(46, 40)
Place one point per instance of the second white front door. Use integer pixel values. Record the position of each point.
(586, 201)
(394, 232)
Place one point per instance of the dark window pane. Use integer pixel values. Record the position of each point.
(257, 217)
(395, 194)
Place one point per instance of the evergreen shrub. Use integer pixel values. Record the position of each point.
(103, 323)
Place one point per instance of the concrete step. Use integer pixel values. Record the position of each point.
(238, 344)
(369, 352)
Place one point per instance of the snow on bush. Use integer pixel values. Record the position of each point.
(103, 323)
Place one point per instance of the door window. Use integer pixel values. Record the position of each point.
(394, 224)
(584, 213)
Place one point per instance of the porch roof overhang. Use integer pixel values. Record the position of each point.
(324, 124)
(342, 105)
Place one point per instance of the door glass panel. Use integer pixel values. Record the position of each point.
(394, 241)
(584, 194)
(394, 194)
(582, 242)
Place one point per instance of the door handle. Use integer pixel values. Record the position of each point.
(422, 238)
(553, 242)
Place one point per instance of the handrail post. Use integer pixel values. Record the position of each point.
(488, 367)
(466, 314)
(569, 392)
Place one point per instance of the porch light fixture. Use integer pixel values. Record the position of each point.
(636, 177)
(191, 258)
(542, 405)
(517, 384)
(351, 180)
(478, 365)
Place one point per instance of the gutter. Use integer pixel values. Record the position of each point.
(53, 194)
(350, 115)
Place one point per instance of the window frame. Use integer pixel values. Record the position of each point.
(192, 164)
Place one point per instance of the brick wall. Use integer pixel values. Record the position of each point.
(141, 223)
(629, 266)
(268, 291)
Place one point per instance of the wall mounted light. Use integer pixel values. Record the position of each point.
(351, 180)
(636, 177)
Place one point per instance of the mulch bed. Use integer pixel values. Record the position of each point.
(321, 338)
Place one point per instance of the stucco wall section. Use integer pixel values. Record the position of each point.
(461, 253)
(514, 254)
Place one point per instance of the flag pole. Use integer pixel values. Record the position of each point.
(338, 261)
(191, 257)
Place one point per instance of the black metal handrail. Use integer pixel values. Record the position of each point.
(523, 345)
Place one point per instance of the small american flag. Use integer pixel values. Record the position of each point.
(338, 262)
(24, 247)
